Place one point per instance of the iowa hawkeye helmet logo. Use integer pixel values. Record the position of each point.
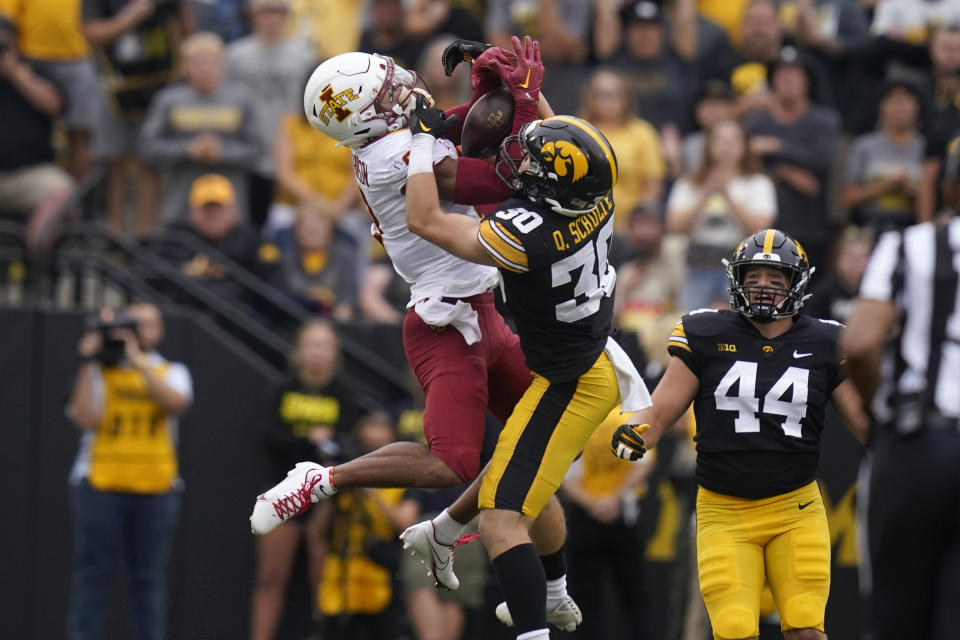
(565, 156)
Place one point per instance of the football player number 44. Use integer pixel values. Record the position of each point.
(747, 405)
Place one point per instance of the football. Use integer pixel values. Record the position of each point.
(487, 123)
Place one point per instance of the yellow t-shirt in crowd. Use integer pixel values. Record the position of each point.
(727, 14)
(325, 168)
(48, 29)
(639, 158)
(332, 26)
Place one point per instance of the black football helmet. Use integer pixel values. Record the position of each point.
(769, 248)
(572, 165)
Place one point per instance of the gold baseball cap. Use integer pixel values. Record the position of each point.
(211, 188)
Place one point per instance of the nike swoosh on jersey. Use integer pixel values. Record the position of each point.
(804, 506)
(424, 127)
(526, 81)
(797, 354)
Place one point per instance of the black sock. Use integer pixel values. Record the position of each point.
(521, 578)
(555, 564)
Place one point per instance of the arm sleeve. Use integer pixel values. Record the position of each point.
(503, 246)
(478, 183)
(678, 346)
(456, 132)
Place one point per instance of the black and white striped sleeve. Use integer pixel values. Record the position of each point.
(883, 278)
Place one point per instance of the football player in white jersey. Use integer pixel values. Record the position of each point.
(466, 359)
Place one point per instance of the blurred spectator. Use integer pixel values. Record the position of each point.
(312, 414)
(270, 66)
(359, 592)
(796, 140)
(830, 31)
(319, 270)
(658, 63)
(885, 166)
(331, 26)
(138, 39)
(310, 171)
(200, 127)
(428, 18)
(383, 294)
(126, 489)
(652, 275)
(214, 221)
(385, 34)
(724, 201)
(760, 45)
(603, 517)
(32, 187)
(226, 18)
(563, 29)
(944, 54)
(52, 44)
(607, 105)
(447, 91)
(909, 20)
(714, 104)
(834, 296)
(727, 14)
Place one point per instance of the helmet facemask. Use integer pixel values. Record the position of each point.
(767, 309)
(527, 174)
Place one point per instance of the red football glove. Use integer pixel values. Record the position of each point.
(483, 76)
(525, 78)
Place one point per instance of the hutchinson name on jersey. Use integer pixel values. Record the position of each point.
(761, 401)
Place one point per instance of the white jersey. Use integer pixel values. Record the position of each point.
(380, 168)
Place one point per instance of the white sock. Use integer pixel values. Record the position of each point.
(556, 591)
(446, 529)
(536, 634)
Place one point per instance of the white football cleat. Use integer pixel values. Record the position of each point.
(565, 616)
(304, 485)
(421, 540)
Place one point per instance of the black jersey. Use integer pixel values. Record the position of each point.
(557, 282)
(760, 405)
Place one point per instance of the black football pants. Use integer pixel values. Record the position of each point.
(913, 528)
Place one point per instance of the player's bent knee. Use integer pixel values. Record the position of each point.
(802, 613)
(735, 623)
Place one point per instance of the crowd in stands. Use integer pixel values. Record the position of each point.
(827, 119)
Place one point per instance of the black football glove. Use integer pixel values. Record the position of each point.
(424, 119)
(461, 51)
(628, 441)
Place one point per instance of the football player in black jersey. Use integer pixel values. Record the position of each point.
(550, 242)
(759, 377)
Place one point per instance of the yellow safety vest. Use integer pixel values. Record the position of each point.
(132, 449)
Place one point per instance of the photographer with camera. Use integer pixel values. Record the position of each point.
(125, 485)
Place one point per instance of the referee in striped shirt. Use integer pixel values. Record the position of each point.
(903, 354)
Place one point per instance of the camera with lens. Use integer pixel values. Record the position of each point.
(112, 348)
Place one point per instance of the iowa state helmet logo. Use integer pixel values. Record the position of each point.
(565, 156)
(333, 105)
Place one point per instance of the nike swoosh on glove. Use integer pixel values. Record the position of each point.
(424, 119)
(627, 442)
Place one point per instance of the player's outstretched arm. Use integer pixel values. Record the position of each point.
(454, 233)
(671, 398)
